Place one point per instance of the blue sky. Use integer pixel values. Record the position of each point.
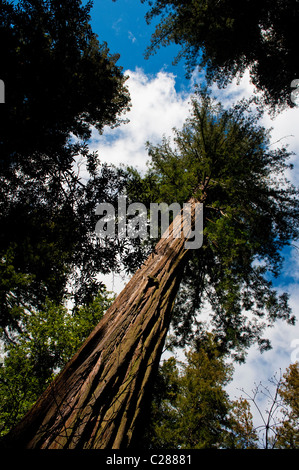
(122, 25)
(160, 97)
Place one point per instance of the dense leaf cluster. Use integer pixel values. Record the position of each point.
(31, 359)
(190, 409)
(59, 80)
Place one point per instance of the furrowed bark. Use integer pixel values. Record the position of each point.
(95, 402)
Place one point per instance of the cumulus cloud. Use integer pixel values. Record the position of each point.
(156, 109)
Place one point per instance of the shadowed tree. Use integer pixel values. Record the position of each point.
(221, 159)
(287, 432)
(226, 37)
(190, 408)
(60, 82)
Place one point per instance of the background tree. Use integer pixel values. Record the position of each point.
(60, 82)
(190, 409)
(221, 158)
(287, 433)
(279, 420)
(265, 434)
(242, 432)
(226, 37)
(34, 356)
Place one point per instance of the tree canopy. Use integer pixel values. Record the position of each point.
(60, 83)
(226, 37)
(250, 214)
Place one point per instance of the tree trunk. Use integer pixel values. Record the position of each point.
(95, 402)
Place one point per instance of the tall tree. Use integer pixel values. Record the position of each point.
(191, 408)
(226, 37)
(242, 240)
(60, 82)
(223, 160)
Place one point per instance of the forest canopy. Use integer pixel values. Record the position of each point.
(226, 37)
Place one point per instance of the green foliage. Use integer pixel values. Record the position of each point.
(190, 409)
(224, 37)
(243, 434)
(223, 158)
(288, 430)
(48, 339)
(48, 244)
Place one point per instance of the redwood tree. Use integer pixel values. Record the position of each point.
(222, 159)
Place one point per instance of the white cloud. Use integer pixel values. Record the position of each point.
(116, 25)
(131, 37)
(156, 109)
(291, 267)
(236, 90)
(285, 133)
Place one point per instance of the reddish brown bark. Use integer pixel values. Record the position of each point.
(96, 400)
